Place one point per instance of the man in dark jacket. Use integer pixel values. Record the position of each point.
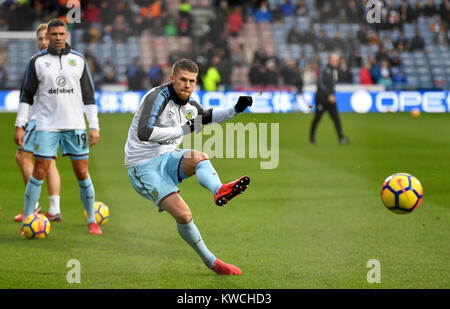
(326, 99)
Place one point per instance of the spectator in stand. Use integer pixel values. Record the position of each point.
(294, 36)
(399, 78)
(184, 26)
(444, 10)
(94, 66)
(382, 53)
(109, 76)
(138, 24)
(217, 24)
(261, 55)
(322, 42)
(309, 37)
(257, 73)
(351, 43)
(355, 59)
(375, 70)
(301, 9)
(364, 74)
(326, 12)
(395, 60)
(309, 74)
(337, 43)
(120, 29)
(90, 35)
(385, 74)
(402, 43)
(185, 9)
(430, 9)
(107, 13)
(155, 74)
(136, 75)
(157, 29)
(354, 12)
(440, 38)
(235, 22)
(417, 42)
(107, 34)
(262, 13)
(241, 57)
(273, 76)
(406, 12)
(363, 35)
(155, 9)
(344, 74)
(388, 44)
(277, 14)
(418, 11)
(92, 13)
(289, 72)
(288, 8)
(170, 28)
(212, 77)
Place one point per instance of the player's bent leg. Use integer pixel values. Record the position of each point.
(196, 162)
(54, 187)
(24, 160)
(87, 193)
(190, 160)
(176, 207)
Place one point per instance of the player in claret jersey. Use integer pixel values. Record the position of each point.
(60, 78)
(156, 166)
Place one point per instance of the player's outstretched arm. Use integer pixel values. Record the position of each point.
(217, 115)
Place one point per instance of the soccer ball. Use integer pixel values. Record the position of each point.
(415, 113)
(401, 193)
(36, 225)
(101, 213)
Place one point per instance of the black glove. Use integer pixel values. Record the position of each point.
(193, 125)
(242, 103)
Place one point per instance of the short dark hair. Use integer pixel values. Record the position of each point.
(185, 65)
(56, 23)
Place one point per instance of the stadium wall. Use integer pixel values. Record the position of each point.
(359, 101)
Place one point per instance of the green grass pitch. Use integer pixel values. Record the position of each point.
(313, 222)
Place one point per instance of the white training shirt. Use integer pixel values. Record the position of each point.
(58, 88)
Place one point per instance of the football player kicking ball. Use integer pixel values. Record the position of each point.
(60, 78)
(156, 166)
(24, 155)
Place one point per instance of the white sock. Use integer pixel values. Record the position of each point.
(54, 205)
(37, 205)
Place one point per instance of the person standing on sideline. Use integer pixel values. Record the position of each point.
(60, 78)
(24, 155)
(326, 99)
